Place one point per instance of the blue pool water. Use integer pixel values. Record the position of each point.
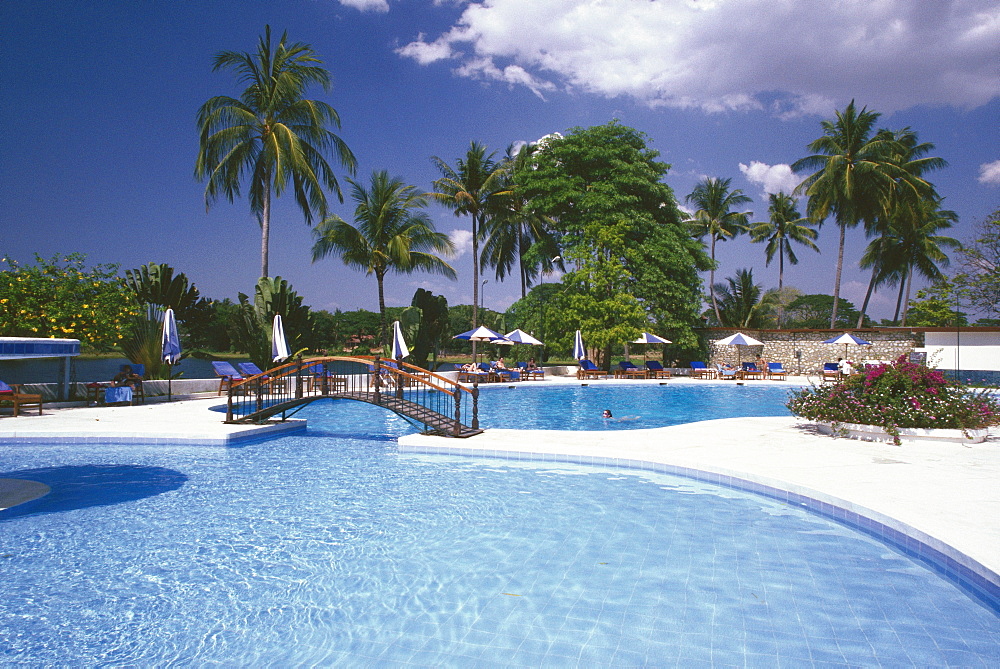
(634, 406)
(331, 548)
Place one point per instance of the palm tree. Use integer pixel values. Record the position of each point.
(272, 136)
(785, 227)
(744, 304)
(471, 188)
(915, 246)
(853, 176)
(391, 234)
(516, 234)
(905, 206)
(715, 217)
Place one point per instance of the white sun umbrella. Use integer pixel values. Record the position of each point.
(737, 340)
(399, 349)
(482, 333)
(521, 337)
(279, 345)
(170, 346)
(647, 338)
(847, 338)
(579, 350)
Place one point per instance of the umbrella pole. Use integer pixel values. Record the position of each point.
(169, 381)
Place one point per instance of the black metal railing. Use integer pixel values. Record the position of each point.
(440, 404)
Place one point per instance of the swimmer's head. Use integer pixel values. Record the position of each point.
(607, 413)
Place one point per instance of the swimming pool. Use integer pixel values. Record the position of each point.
(330, 547)
(634, 406)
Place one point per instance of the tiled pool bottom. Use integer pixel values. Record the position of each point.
(331, 548)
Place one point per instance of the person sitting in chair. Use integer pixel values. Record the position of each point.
(126, 377)
(532, 364)
(500, 364)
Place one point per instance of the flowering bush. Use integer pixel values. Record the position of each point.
(898, 395)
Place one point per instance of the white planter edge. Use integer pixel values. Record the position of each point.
(906, 434)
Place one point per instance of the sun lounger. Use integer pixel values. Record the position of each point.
(655, 370)
(628, 370)
(750, 371)
(588, 370)
(727, 373)
(700, 370)
(226, 373)
(465, 376)
(776, 372)
(831, 372)
(20, 400)
(528, 374)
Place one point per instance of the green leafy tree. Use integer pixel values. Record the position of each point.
(979, 278)
(633, 262)
(785, 226)
(61, 297)
(813, 312)
(744, 304)
(715, 217)
(937, 306)
(433, 325)
(392, 234)
(273, 136)
(853, 177)
(471, 188)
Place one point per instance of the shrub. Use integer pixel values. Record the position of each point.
(898, 395)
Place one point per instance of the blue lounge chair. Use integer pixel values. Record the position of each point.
(472, 377)
(750, 371)
(626, 369)
(505, 374)
(727, 373)
(528, 374)
(655, 370)
(588, 370)
(700, 370)
(776, 371)
(831, 372)
(226, 373)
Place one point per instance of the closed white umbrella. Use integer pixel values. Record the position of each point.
(399, 349)
(170, 346)
(579, 350)
(279, 346)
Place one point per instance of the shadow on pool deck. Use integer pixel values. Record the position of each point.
(83, 486)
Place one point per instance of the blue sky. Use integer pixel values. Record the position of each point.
(99, 103)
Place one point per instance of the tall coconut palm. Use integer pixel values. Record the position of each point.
(906, 205)
(715, 217)
(853, 176)
(515, 234)
(785, 226)
(471, 188)
(391, 234)
(272, 136)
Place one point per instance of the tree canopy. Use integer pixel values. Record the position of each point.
(633, 264)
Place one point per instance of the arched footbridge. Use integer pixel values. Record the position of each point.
(441, 405)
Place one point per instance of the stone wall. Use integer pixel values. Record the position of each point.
(784, 346)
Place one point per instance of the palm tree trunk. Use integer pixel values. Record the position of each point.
(711, 285)
(781, 282)
(475, 280)
(380, 277)
(906, 302)
(836, 280)
(868, 296)
(265, 226)
(899, 301)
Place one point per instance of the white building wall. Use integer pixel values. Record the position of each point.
(962, 350)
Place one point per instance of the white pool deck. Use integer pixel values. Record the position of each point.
(945, 494)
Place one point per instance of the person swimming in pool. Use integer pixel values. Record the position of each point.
(607, 414)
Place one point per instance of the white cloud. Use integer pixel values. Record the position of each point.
(989, 173)
(792, 57)
(367, 5)
(462, 239)
(771, 178)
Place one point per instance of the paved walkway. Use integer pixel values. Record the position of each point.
(948, 493)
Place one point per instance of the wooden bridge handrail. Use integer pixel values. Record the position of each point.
(289, 368)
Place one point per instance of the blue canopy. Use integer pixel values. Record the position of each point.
(647, 338)
(482, 333)
(521, 337)
(848, 338)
